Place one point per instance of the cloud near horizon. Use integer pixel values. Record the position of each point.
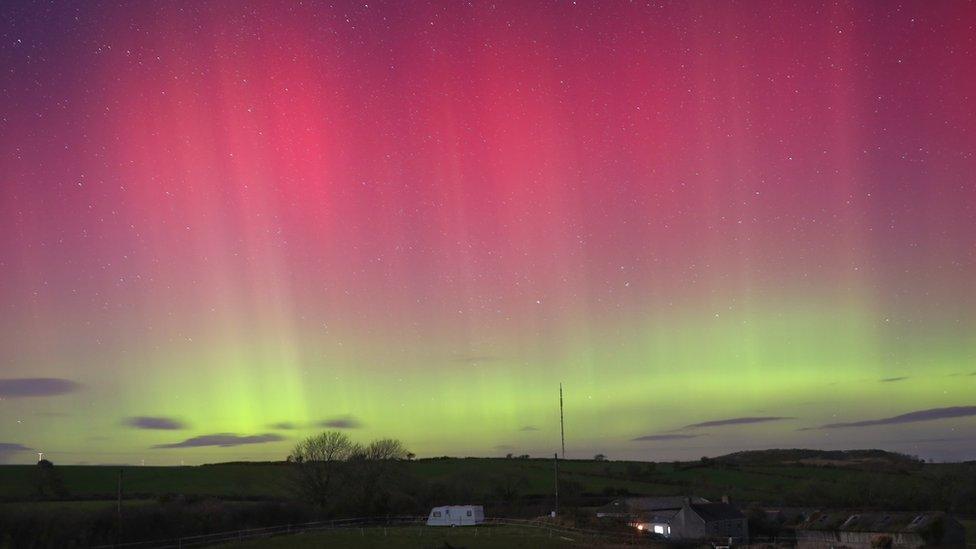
(664, 437)
(892, 379)
(344, 422)
(529, 428)
(36, 387)
(224, 440)
(8, 449)
(283, 426)
(911, 417)
(736, 421)
(154, 423)
(13, 447)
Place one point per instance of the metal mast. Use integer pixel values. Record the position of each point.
(562, 431)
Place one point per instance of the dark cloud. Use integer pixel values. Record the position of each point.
(911, 417)
(223, 440)
(160, 423)
(664, 437)
(736, 421)
(930, 440)
(529, 428)
(8, 449)
(283, 426)
(893, 379)
(344, 422)
(36, 387)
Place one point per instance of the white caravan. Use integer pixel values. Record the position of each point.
(456, 515)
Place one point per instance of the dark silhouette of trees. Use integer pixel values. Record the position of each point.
(48, 482)
(385, 449)
(376, 474)
(339, 475)
(320, 463)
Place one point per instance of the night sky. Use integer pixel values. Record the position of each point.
(722, 225)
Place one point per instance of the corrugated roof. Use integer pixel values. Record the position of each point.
(881, 522)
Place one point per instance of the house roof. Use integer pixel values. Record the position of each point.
(710, 512)
(660, 515)
(872, 522)
(655, 503)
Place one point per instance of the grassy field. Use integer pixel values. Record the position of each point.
(233, 496)
(970, 526)
(490, 537)
(272, 481)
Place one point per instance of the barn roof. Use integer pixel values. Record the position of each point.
(881, 522)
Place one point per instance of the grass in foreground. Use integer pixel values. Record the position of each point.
(422, 537)
(970, 526)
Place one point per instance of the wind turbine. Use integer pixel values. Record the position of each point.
(40, 456)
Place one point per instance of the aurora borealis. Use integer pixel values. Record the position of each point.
(722, 225)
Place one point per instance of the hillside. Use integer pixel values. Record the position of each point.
(782, 477)
(836, 458)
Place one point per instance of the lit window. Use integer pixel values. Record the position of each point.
(658, 529)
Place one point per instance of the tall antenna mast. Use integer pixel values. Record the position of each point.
(562, 430)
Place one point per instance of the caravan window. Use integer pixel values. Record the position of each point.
(437, 513)
(469, 513)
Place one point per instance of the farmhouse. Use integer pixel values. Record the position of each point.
(456, 515)
(681, 518)
(826, 530)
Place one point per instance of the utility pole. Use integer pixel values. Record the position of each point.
(555, 461)
(562, 431)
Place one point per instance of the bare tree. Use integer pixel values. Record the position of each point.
(327, 446)
(377, 471)
(330, 468)
(320, 465)
(385, 449)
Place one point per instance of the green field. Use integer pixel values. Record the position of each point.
(790, 484)
(174, 502)
(970, 526)
(419, 537)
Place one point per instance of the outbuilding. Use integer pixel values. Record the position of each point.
(827, 529)
(456, 515)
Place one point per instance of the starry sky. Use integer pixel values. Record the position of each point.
(721, 225)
